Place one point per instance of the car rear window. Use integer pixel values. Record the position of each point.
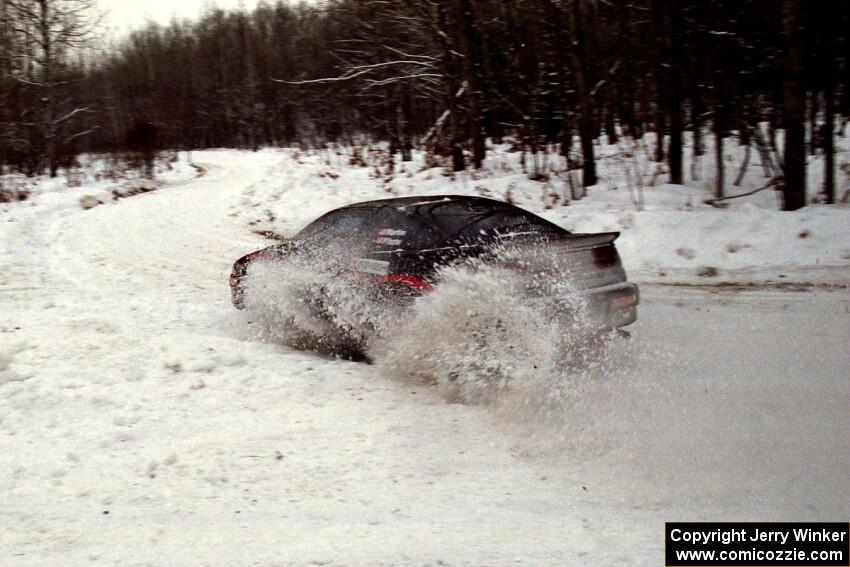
(472, 222)
(376, 229)
(336, 224)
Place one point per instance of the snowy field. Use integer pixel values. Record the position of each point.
(143, 423)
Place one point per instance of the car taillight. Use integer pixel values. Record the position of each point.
(605, 257)
(241, 265)
(258, 255)
(408, 280)
(624, 300)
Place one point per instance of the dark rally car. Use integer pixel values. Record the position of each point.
(399, 246)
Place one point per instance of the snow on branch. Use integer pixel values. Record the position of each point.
(775, 182)
(359, 71)
(72, 114)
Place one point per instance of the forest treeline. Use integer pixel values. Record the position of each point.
(444, 74)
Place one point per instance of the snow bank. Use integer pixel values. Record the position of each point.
(96, 181)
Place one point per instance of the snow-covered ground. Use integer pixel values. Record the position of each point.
(141, 425)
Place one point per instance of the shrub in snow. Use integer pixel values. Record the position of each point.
(10, 195)
(686, 253)
(89, 202)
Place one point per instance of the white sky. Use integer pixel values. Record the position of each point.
(123, 15)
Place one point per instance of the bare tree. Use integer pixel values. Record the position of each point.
(49, 30)
(579, 60)
(794, 97)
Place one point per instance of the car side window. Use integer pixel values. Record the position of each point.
(337, 224)
(381, 229)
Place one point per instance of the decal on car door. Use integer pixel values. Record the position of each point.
(385, 236)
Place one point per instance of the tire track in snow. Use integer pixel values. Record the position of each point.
(177, 241)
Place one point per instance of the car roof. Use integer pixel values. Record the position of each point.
(409, 204)
(449, 215)
(441, 219)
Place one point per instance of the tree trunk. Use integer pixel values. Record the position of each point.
(660, 131)
(829, 139)
(772, 127)
(669, 82)
(626, 88)
(586, 122)
(794, 108)
(675, 153)
(610, 125)
(48, 126)
(494, 126)
(472, 68)
(589, 164)
(744, 166)
(696, 125)
(813, 122)
(718, 155)
(451, 86)
(744, 129)
(407, 119)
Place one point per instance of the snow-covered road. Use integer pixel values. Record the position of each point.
(138, 425)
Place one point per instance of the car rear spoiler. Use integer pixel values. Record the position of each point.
(588, 241)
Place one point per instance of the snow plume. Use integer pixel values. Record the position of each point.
(480, 333)
(311, 301)
(512, 327)
(561, 389)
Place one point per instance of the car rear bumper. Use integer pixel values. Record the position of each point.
(614, 305)
(237, 290)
